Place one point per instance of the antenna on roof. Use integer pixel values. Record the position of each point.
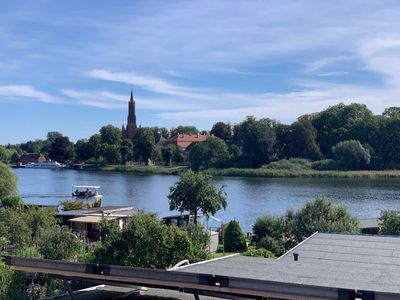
(295, 256)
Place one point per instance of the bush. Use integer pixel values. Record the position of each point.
(290, 164)
(212, 153)
(269, 226)
(278, 234)
(72, 205)
(234, 238)
(258, 252)
(200, 241)
(276, 246)
(59, 243)
(12, 201)
(8, 181)
(351, 154)
(144, 242)
(320, 215)
(325, 165)
(389, 222)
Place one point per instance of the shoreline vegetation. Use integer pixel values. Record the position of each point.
(258, 172)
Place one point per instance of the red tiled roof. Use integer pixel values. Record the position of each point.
(185, 140)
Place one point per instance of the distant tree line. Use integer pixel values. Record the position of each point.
(348, 137)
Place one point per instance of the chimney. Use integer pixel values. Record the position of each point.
(295, 256)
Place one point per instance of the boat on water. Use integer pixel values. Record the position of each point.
(89, 192)
(44, 165)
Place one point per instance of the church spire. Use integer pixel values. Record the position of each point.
(130, 128)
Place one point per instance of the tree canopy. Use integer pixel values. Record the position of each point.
(278, 234)
(61, 149)
(222, 130)
(389, 222)
(257, 139)
(134, 245)
(351, 155)
(110, 135)
(195, 192)
(59, 243)
(8, 181)
(143, 144)
(212, 153)
(251, 143)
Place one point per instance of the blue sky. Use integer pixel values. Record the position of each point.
(69, 66)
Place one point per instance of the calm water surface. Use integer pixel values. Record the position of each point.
(248, 198)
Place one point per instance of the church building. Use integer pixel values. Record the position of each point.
(129, 131)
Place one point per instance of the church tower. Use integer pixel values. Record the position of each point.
(130, 130)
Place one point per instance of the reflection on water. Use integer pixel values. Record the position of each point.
(248, 198)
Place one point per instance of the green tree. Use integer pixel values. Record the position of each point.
(234, 238)
(53, 135)
(271, 234)
(388, 142)
(392, 112)
(258, 252)
(342, 122)
(84, 150)
(183, 130)
(14, 228)
(156, 155)
(5, 154)
(212, 153)
(126, 151)
(134, 244)
(32, 146)
(12, 201)
(177, 155)
(8, 182)
(62, 149)
(222, 130)
(40, 220)
(95, 142)
(302, 140)
(111, 153)
(143, 144)
(351, 154)
(110, 135)
(172, 154)
(321, 215)
(389, 222)
(257, 139)
(15, 157)
(195, 192)
(59, 243)
(272, 226)
(159, 132)
(200, 241)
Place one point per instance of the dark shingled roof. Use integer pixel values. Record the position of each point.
(358, 262)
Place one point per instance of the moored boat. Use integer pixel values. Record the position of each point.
(44, 165)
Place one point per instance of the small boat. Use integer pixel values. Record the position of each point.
(89, 192)
(44, 165)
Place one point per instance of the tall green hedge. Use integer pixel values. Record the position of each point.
(234, 238)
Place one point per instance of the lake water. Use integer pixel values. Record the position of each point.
(248, 198)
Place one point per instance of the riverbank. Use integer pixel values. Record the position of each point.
(259, 172)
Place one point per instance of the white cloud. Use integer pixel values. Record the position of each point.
(16, 92)
(105, 99)
(148, 83)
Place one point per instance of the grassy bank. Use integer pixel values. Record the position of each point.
(259, 172)
(272, 173)
(145, 169)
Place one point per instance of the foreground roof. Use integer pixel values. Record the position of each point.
(106, 210)
(341, 261)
